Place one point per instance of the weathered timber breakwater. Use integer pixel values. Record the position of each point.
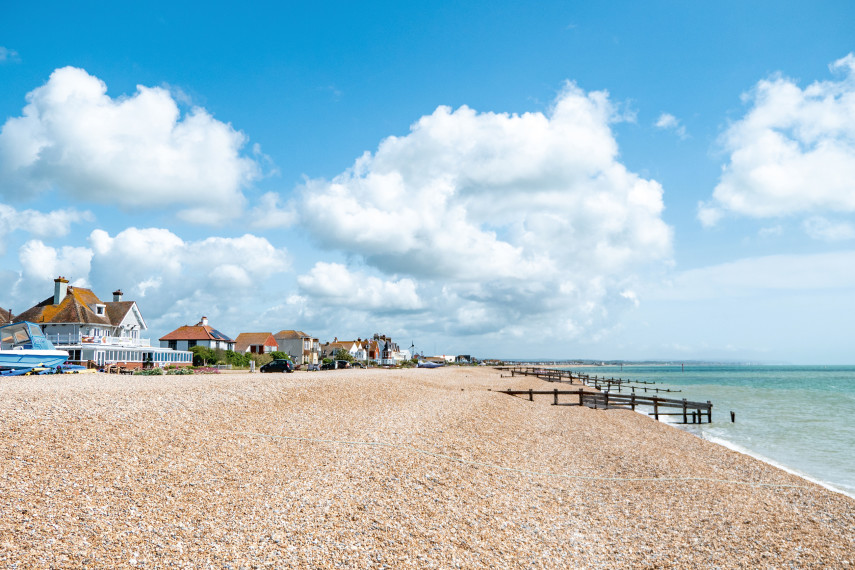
(610, 394)
(371, 468)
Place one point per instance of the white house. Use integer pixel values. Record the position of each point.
(76, 320)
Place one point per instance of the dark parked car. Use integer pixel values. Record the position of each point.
(278, 365)
(335, 364)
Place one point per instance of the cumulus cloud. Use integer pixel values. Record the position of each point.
(160, 261)
(499, 215)
(173, 280)
(793, 152)
(56, 223)
(669, 122)
(134, 152)
(42, 263)
(335, 285)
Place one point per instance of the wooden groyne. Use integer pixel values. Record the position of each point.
(611, 384)
(609, 394)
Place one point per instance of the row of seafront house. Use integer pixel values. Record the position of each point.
(104, 333)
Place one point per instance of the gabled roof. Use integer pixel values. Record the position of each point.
(292, 334)
(118, 310)
(245, 340)
(345, 344)
(197, 332)
(76, 307)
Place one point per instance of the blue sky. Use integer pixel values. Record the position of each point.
(595, 180)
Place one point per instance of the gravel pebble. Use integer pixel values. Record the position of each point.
(382, 469)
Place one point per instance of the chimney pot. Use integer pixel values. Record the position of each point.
(60, 289)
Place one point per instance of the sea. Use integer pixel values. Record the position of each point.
(798, 418)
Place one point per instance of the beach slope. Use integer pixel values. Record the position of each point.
(370, 468)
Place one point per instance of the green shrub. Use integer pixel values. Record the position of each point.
(179, 371)
(149, 372)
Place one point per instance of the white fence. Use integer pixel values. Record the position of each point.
(72, 339)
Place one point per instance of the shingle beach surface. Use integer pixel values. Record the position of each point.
(382, 468)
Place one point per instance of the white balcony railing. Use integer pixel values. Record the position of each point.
(74, 339)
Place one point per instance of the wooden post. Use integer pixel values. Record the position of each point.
(606, 400)
(685, 420)
(580, 397)
(530, 396)
(632, 403)
(656, 408)
(732, 416)
(555, 401)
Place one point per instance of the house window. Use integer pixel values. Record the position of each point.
(191, 343)
(173, 344)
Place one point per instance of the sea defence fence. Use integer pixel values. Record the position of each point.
(604, 396)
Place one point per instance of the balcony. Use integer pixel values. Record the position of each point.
(75, 339)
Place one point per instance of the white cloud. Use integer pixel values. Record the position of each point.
(499, 216)
(270, 213)
(41, 263)
(793, 152)
(135, 152)
(760, 276)
(7, 54)
(335, 285)
(820, 228)
(669, 122)
(56, 223)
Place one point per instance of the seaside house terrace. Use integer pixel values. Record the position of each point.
(201, 334)
(76, 320)
(256, 343)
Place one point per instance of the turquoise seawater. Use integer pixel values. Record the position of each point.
(801, 418)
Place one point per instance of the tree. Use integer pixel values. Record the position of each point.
(279, 355)
(202, 355)
(342, 354)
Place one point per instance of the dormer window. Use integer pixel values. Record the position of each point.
(100, 310)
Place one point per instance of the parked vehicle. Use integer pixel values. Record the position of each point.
(278, 365)
(335, 364)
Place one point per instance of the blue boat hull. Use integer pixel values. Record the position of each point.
(32, 358)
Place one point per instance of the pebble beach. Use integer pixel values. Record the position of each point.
(418, 468)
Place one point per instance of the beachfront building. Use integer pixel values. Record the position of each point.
(256, 343)
(390, 353)
(201, 334)
(76, 320)
(303, 348)
(328, 350)
(5, 316)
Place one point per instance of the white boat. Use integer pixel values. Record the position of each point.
(23, 346)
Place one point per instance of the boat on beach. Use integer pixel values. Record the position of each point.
(23, 347)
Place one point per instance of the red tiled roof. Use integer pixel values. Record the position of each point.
(245, 340)
(198, 332)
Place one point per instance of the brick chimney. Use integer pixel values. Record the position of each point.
(117, 295)
(60, 289)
